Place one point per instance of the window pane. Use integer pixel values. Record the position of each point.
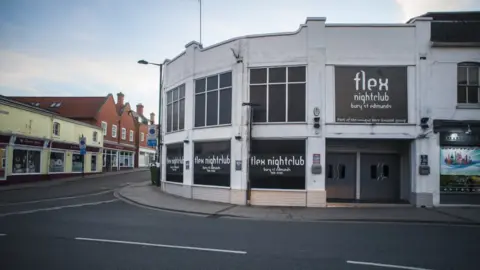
(277, 74)
(200, 110)
(296, 74)
(93, 167)
(329, 171)
(258, 96)
(181, 90)
(341, 171)
(181, 123)
(169, 118)
(200, 86)
(19, 162)
(226, 79)
(212, 82)
(277, 103)
(169, 96)
(175, 94)
(57, 161)
(461, 94)
(296, 102)
(386, 171)
(258, 75)
(212, 108)
(226, 106)
(473, 76)
(373, 171)
(175, 116)
(76, 163)
(462, 75)
(472, 95)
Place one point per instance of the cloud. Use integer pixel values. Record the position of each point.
(413, 8)
(31, 74)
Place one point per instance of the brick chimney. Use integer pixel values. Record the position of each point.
(120, 99)
(140, 109)
(152, 118)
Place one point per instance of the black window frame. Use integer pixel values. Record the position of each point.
(219, 88)
(287, 83)
(170, 104)
(468, 66)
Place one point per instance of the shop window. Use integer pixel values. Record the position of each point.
(57, 162)
(211, 163)
(77, 161)
(56, 129)
(468, 77)
(26, 161)
(213, 100)
(95, 136)
(94, 163)
(104, 128)
(174, 163)
(279, 94)
(142, 136)
(124, 133)
(176, 109)
(373, 171)
(126, 159)
(114, 131)
(279, 164)
(131, 135)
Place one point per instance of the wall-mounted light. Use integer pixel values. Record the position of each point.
(424, 122)
(186, 140)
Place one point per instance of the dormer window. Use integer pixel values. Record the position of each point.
(55, 104)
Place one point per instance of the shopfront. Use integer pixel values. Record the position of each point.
(65, 158)
(118, 157)
(26, 161)
(174, 171)
(459, 167)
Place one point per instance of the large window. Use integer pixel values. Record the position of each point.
(213, 100)
(94, 163)
(126, 159)
(174, 163)
(77, 161)
(278, 93)
(468, 76)
(26, 161)
(176, 109)
(212, 163)
(57, 162)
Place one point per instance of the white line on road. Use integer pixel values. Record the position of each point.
(160, 245)
(55, 208)
(387, 265)
(2, 234)
(57, 199)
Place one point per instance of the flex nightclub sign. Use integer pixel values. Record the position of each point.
(212, 163)
(277, 165)
(174, 164)
(371, 94)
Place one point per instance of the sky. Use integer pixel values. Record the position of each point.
(91, 47)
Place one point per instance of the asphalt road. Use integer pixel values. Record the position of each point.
(92, 229)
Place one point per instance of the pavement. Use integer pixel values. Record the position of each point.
(83, 225)
(145, 194)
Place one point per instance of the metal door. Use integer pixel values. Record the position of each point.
(340, 176)
(380, 177)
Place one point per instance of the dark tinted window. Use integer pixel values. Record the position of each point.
(258, 75)
(277, 103)
(181, 123)
(212, 108)
(258, 96)
(296, 102)
(212, 82)
(341, 171)
(181, 90)
(174, 163)
(169, 118)
(200, 110)
(200, 86)
(277, 75)
(296, 74)
(225, 80)
(175, 116)
(205, 152)
(225, 106)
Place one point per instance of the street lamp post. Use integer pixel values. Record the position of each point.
(159, 145)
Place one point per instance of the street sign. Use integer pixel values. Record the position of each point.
(83, 145)
(152, 135)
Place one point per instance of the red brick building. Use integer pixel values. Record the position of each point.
(121, 131)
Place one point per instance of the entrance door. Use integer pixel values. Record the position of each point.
(341, 176)
(380, 177)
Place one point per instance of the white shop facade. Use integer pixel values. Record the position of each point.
(329, 113)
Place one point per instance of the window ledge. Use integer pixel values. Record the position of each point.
(215, 126)
(468, 106)
(278, 123)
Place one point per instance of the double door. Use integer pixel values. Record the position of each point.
(379, 177)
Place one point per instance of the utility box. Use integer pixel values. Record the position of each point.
(316, 169)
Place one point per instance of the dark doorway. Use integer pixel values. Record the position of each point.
(340, 176)
(380, 178)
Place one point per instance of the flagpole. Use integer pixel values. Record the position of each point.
(200, 1)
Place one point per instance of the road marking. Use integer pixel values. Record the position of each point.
(387, 265)
(57, 199)
(160, 245)
(55, 208)
(2, 234)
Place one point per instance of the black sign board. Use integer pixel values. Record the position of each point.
(30, 142)
(238, 165)
(279, 165)
(174, 163)
(73, 146)
(206, 164)
(459, 139)
(371, 94)
(211, 163)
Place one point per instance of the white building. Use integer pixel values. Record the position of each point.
(337, 112)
